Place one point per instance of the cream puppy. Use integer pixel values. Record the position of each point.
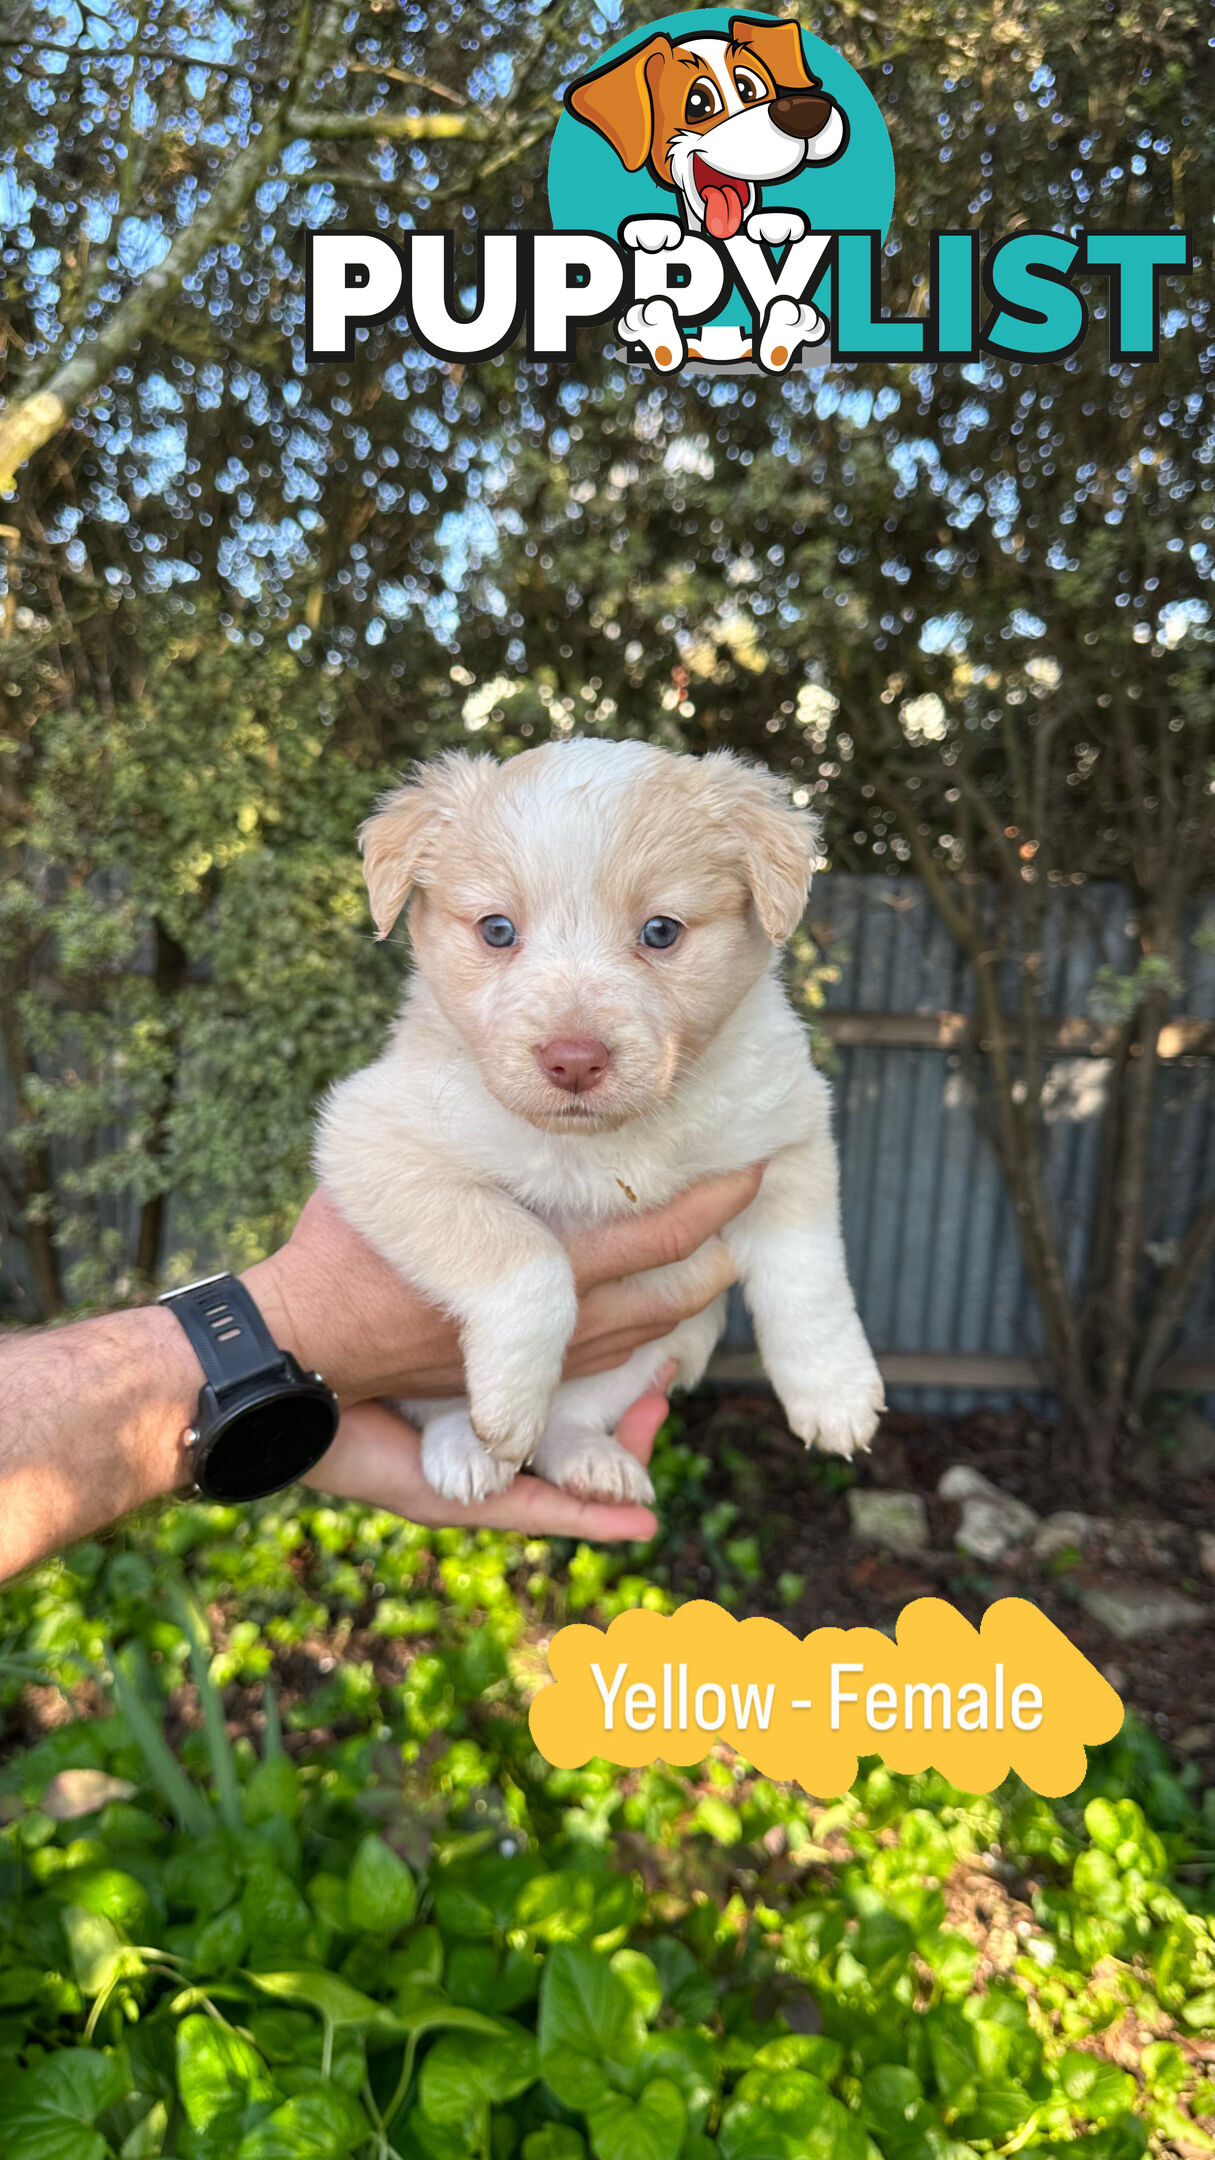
(594, 1022)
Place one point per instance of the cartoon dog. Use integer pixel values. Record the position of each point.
(714, 118)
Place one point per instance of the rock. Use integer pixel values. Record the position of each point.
(1194, 1452)
(992, 1521)
(1195, 1740)
(895, 1521)
(1134, 1610)
(1206, 1552)
(1057, 1532)
(962, 1482)
(1141, 1543)
(990, 1528)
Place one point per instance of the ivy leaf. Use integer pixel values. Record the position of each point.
(460, 2076)
(688, 1988)
(273, 1792)
(220, 1943)
(422, 2009)
(649, 2128)
(485, 1979)
(557, 2141)
(689, 2060)
(338, 2003)
(1098, 2090)
(381, 1894)
(640, 1976)
(892, 2099)
(323, 2124)
(275, 1916)
(421, 1957)
(113, 1895)
(589, 2027)
(789, 2115)
(218, 2074)
(47, 2113)
(96, 1946)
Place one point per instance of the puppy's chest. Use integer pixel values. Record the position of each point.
(572, 1182)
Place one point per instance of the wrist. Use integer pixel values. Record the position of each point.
(155, 1452)
(299, 1315)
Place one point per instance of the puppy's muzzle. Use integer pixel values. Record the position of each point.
(801, 114)
(574, 1063)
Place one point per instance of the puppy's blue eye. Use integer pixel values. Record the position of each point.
(660, 932)
(498, 931)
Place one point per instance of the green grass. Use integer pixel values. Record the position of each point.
(332, 1902)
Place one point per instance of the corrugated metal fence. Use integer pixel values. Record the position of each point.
(931, 1239)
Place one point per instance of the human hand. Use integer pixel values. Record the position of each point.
(345, 1312)
(377, 1458)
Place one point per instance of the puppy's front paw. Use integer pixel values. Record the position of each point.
(777, 227)
(594, 1466)
(836, 1412)
(456, 1466)
(514, 1337)
(788, 325)
(653, 323)
(652, 234)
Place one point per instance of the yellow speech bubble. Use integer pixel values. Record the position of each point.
(974, 1703)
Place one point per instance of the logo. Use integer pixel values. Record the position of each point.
(721, 186)
(713, 149)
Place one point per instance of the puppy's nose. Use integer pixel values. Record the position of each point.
(800, 113)
(575, 1062)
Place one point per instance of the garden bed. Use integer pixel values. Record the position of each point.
(368, 1920)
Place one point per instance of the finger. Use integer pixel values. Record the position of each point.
(536, 1509)
(661, 1236)
(638, 1428)
(609, 1351)
(658, 1302)
(376, 1459)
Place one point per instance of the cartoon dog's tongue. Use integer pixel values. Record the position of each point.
(724, 198)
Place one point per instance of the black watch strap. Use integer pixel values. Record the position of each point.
(261, 1423)
(233, 1343)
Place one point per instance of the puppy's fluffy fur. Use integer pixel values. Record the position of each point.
(462, 1162)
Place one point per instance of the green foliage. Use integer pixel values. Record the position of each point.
(416, 1938)
(203, 970)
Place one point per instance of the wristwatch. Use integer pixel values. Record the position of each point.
(261, 1422)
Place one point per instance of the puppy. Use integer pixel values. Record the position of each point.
(595, 1021)
(715, 118)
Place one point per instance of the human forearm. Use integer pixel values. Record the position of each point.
(91, 1424)
(92, 1416)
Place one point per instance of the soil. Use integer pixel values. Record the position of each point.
(798, 1506)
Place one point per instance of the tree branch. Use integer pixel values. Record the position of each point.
(387, 127)
(32, 421)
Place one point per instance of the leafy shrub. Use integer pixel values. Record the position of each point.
(389, 1928)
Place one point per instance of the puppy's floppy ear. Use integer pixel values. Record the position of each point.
(777, 843)
(398, 840)
(618, 100)
(779, 46)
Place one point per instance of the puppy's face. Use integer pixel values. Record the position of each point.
(714, 117)
(587, 916)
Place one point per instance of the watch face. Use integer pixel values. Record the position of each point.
(268, 1445)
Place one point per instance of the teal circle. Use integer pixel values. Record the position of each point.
(589, 189)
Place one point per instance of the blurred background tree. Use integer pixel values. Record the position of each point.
(966, 609)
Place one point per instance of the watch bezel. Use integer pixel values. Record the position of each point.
(219, 1417)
